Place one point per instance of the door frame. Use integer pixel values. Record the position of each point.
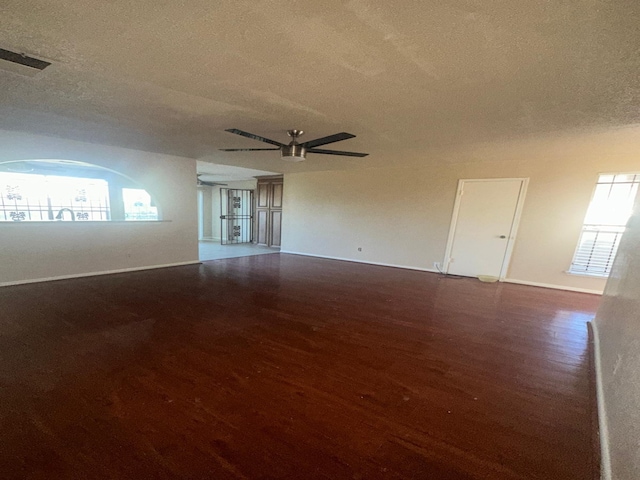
(514, 226)
(200, 215)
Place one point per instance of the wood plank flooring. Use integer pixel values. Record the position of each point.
(289, 367)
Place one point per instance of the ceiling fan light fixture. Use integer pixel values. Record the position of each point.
(293, 153)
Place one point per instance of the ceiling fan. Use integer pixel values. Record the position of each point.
(294, 151)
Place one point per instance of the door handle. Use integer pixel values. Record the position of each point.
(503, 236)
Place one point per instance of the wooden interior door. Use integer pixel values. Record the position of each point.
(269, 211)
(262, 213)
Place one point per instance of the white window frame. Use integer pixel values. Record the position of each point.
(600, 228)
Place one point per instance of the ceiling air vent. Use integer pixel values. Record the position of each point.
(21, 64)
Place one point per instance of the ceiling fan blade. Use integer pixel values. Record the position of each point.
(246, 149)
(330, 139)
(337, 152)
(254, 137)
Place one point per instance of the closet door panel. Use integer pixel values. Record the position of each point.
(262, 228)
(276, 226)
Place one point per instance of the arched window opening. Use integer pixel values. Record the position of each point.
(63, 190)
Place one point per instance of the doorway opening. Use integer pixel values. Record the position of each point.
(227, 224)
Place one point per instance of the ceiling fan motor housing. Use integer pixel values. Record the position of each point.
(293, 152)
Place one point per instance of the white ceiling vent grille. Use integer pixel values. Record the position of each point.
(21, 63)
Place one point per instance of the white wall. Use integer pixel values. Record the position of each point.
(208, 213)
(618, 339)
(401, 216)
(35, 250)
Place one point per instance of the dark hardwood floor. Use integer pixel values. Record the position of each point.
(280, 366)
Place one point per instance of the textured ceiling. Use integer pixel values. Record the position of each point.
(406, 76)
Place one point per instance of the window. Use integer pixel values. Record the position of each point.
(59, 190)
(138, 205)
(29, 197)
(609, 210)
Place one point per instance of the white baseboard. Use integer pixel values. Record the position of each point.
(406, 267)
(555, 287)
(508, 280)
(93, 274)
(605, 459)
